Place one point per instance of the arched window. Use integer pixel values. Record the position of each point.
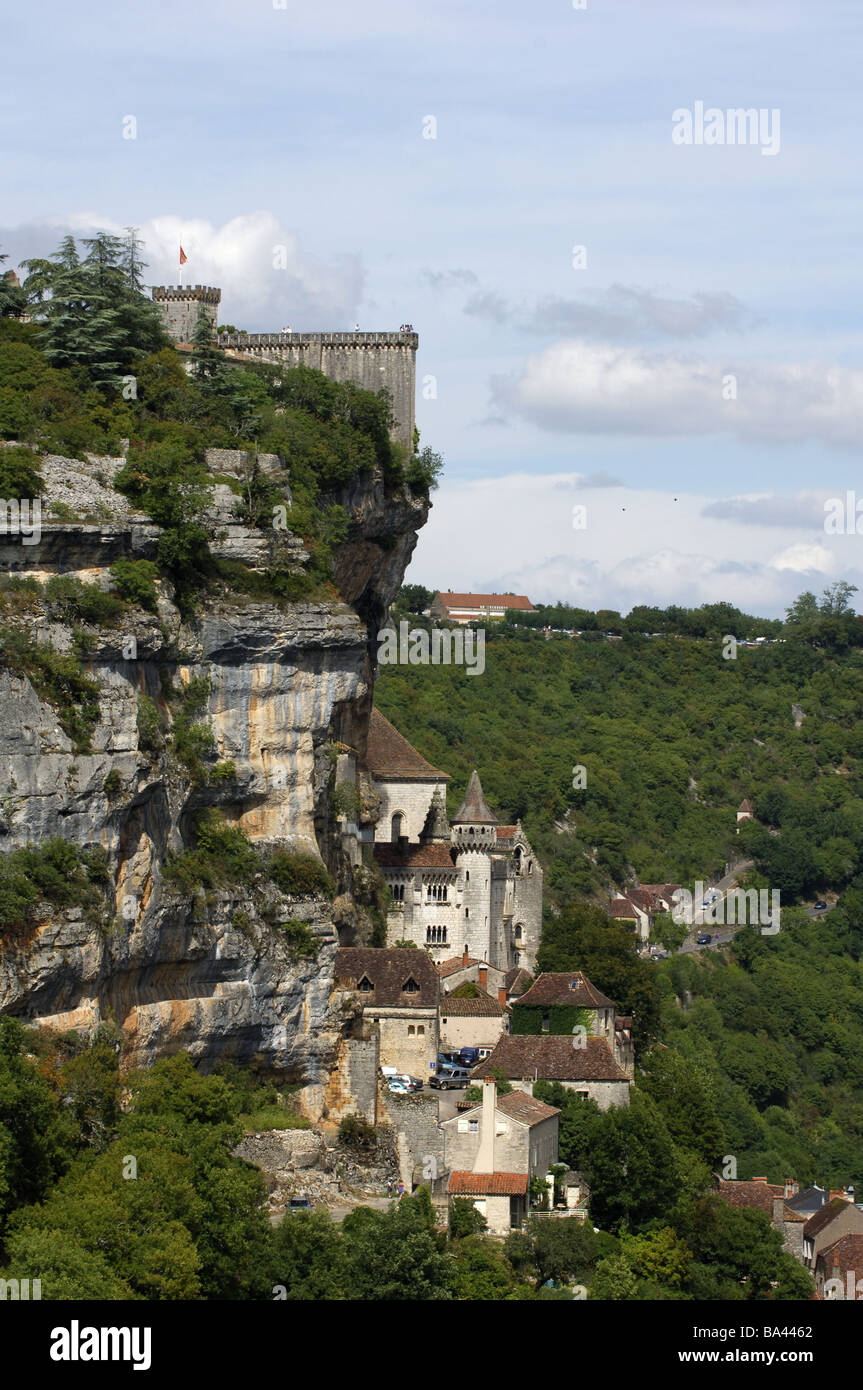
(518, 931)
(397, 827)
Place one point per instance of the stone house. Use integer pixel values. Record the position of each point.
(839, 1217)
(494, 1150)
(473, 886)
(399, 991)
(557, 1002)
(590, 1070)
(478, 1021)
(467, 969)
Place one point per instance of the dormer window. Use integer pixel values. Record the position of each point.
(410, 986)
(365, 985)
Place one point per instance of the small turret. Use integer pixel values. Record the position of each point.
(436, 826)
(474, 826)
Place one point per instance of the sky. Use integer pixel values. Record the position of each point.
(638, 316)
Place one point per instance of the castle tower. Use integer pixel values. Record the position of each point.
(474, 833)
(181, 304)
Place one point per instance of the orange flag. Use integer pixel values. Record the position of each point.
(183, 256)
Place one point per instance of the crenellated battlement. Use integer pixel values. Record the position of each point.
(201, 294)
(374, 361)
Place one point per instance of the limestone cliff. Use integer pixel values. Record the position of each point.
(205, 971)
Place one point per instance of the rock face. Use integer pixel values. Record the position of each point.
(211, 972)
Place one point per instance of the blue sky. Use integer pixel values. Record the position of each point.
(303, 127)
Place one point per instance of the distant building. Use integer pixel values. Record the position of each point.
(471, 608)
(474, 885)
(744, 812)
(556, 997)
(475, 1021)
(840, 1267)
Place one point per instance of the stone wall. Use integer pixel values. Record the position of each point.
(415, 1118)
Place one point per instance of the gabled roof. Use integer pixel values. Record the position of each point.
(463, 1184)
(455, 963)
(474, 809)
(526, 1108)
(810, 1200)
(623, 909)
(558, 988)
(431, 856)
(550, 1058)
(389, 755)
(822, 1218)
(844, 1255)
(517, 981)
(388, 970)
(482, 1006)
(744, 806)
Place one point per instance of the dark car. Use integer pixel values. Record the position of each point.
(704, 939)
(469, 1056)
(449, 1059)
(299, 1204)
(450, 1079)
(820, 907)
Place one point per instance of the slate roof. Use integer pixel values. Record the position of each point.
(389, 754)
(388, 970)
(558, 988)
(484, 1006)
(810, 1200)
(431, 856)
(551, 1058)
(474, 809)
(752, 1196)
(463, 1184)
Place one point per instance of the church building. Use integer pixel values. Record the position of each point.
(466, 885)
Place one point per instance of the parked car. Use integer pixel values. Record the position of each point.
(820, 907)
(450, 1059)
(398, 1088)
(413, 1083)
(454, 1079)
(299, 1204)
(469, 1056)
(704, 939)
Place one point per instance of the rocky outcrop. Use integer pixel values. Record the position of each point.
(208, 972)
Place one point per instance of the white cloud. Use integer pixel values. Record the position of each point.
(239, 257)
(801, 558)
(582, 387)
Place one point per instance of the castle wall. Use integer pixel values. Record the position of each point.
(413, 799)
(473, 927)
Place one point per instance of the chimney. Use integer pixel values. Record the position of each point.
(484, 1161)
(501, 997)
(483, 977)
(465, 958)
(791, 1188)
(759, 1179)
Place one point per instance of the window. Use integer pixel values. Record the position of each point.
(411, 1030)
(467, 912)
(436, 936)
(365, 985)
(473, 1126)
(518, 931)
(546, 1022)
(421, 1028)
(467, 877)
(410, 986)
(397, 827)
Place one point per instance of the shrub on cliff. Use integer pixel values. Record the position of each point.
(19, 473)
(56, 872)
(300, 875)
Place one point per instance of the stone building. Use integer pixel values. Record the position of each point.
(590, 1070)
(555, 1003)
(399, 992)
(495, 1149)
(478, 1021)
(374, 361)
(471, 885)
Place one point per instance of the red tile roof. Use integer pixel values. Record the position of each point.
(483, 1006)
(462, 1184)
(506, 832)
(843, 1256)
(389, 754)
(433, 856)
(517, 980)
(451, 600)
(454, 963)
(754, 1195)
(623, 909)
(558, 988)
(550, 1058)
